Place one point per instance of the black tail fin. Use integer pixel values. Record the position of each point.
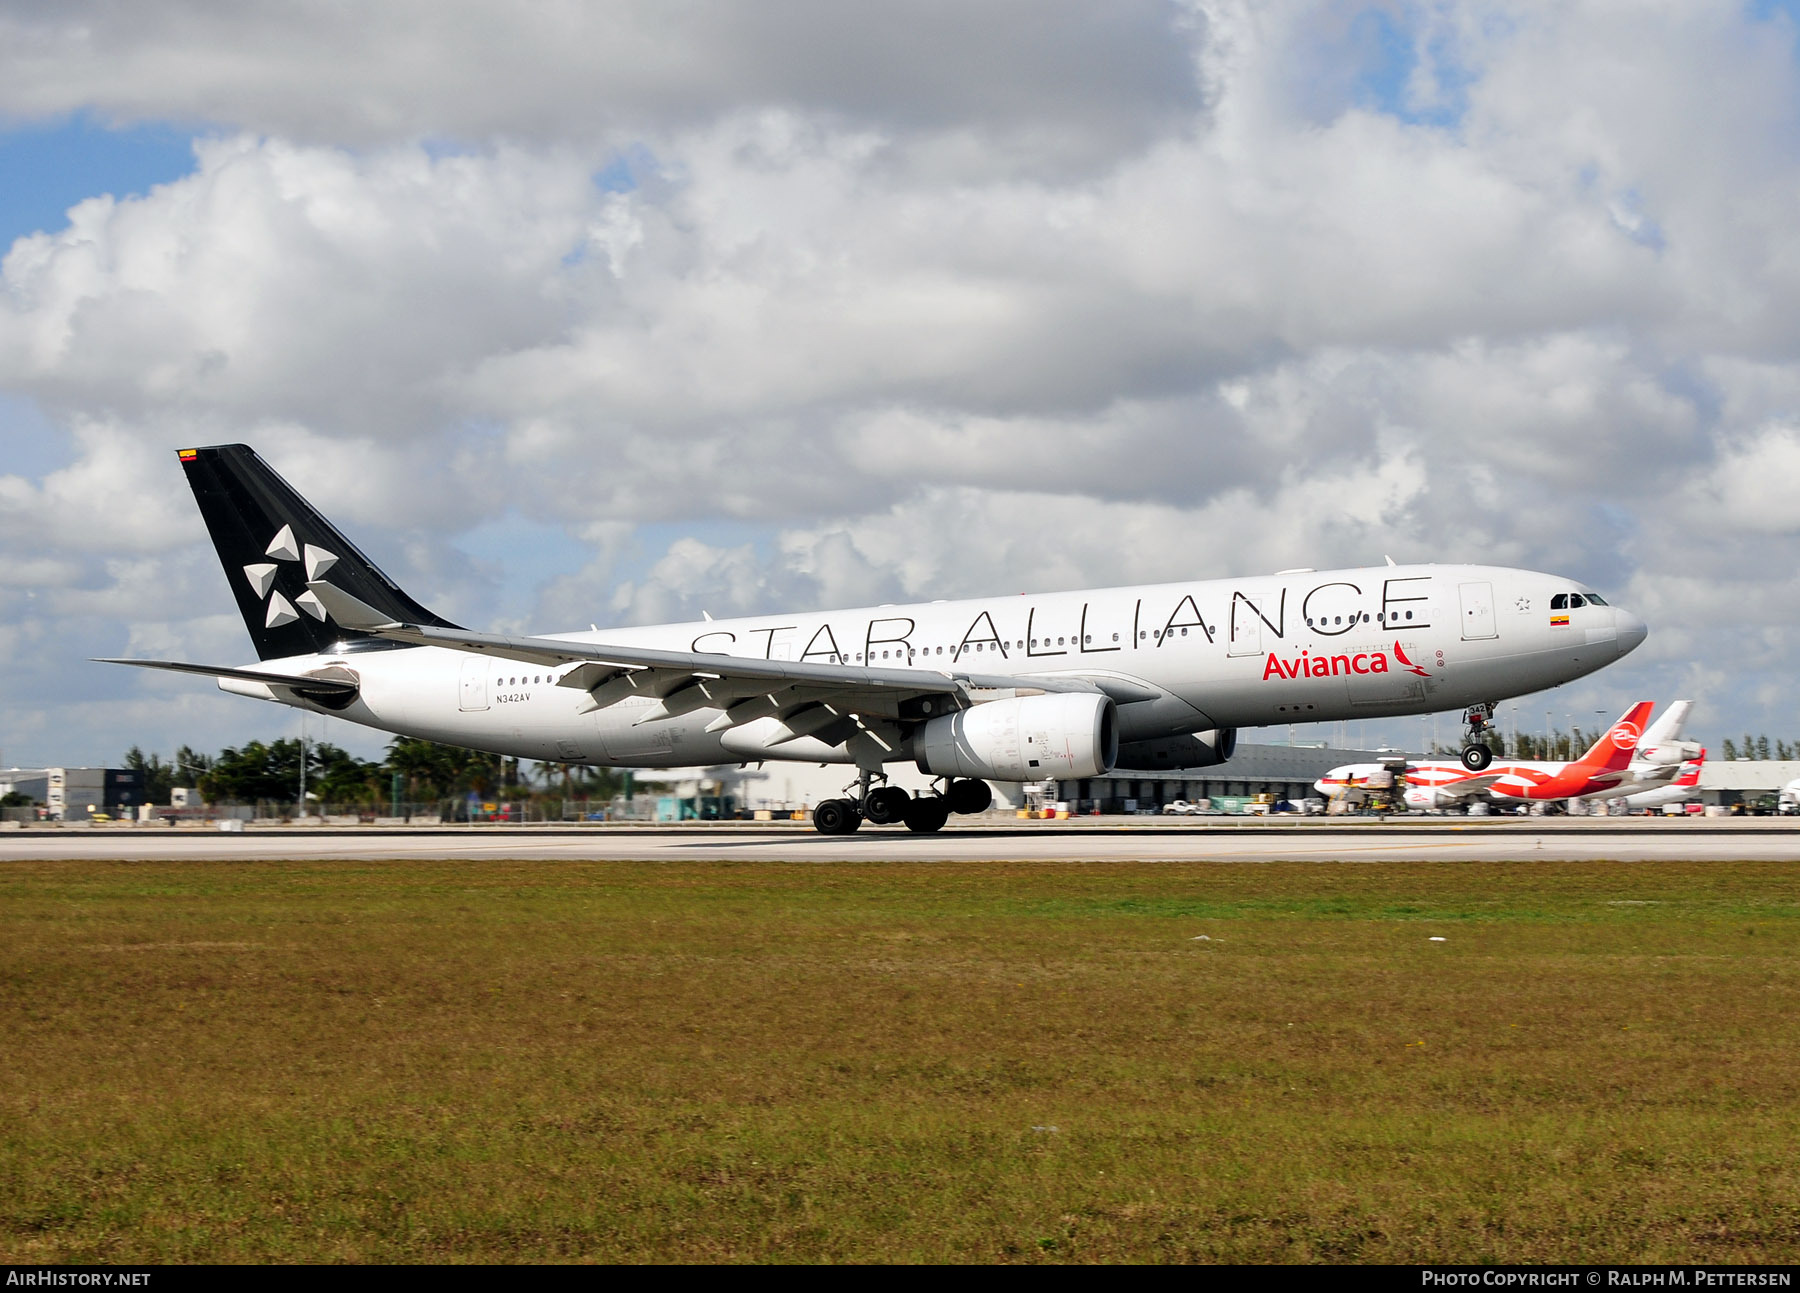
(271, 542)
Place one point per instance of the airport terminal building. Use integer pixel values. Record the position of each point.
(1285, 771)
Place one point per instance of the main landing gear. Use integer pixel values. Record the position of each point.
(1476, 755)
(888, 805)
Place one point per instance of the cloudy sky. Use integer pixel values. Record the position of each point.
(615, 312)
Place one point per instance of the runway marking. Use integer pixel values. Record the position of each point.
(1434, 844)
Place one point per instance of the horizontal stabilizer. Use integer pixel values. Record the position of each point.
(328, 686)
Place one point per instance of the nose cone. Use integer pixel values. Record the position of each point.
(1632, 630)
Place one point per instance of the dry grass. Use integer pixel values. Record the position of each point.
(534, 1060)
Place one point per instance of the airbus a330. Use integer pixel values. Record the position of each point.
(1014, 689)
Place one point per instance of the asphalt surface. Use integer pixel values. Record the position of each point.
(996, 839)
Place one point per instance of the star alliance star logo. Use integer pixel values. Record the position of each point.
(261, 575)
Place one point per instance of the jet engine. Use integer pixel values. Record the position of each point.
(1063, 735)
(1665, 754)
(1201, 750)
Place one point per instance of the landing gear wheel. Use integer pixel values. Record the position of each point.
(836, 817)
(970, 796)
(927, 813)
(885, 805)
(1480, 720)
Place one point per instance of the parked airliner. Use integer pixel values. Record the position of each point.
(1683, 789)
(1027, 688)
(1628, 757)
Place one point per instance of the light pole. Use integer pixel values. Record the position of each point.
(300, 808)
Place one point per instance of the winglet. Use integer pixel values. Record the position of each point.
(350, 612)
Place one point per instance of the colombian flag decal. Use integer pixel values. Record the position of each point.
(187, 455)
(1559, 621)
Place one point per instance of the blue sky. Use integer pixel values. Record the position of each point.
(917, 302)
(46, 168)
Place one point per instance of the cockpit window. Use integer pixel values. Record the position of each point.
(1595, 599)
(1560, 602)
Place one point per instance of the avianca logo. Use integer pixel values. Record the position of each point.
(1309, 665)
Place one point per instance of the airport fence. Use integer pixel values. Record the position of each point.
(426, 813)
(433, 812)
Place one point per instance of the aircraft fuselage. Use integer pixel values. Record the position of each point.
(1299, 647)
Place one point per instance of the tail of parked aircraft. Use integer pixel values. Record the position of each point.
(1662, 744)
(1613, 750)
(1690, 771)
(271, 543)
(1668, 725)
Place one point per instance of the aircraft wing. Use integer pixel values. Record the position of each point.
(683, 681)
(1469, 787)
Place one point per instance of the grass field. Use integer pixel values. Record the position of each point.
(522, 1061)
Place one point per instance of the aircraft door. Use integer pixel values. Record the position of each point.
(474, 683)
(1246, 626)
(1477, 611)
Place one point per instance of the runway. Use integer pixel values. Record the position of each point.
(1114, 840)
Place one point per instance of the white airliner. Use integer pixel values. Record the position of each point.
(1684, 788)
(1027, 688)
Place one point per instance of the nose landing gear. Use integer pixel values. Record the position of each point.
(1476, 754)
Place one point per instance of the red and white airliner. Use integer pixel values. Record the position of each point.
(1027, 688)
(1627, 757)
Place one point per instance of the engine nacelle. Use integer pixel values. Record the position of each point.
(1201, 750)
(1664, 754)
(1063, 735)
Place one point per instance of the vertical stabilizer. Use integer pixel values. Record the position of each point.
(1613, 750)
(271, 542)
(1668, 724)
